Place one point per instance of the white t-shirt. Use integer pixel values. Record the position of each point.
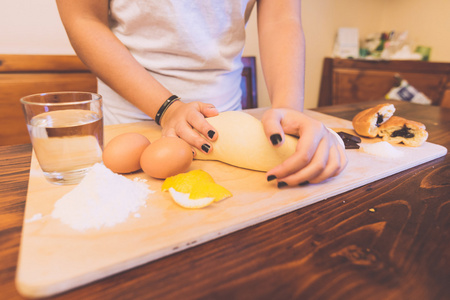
(192, 47)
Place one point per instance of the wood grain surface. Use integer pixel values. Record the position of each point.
(51, 260)
(385, 240)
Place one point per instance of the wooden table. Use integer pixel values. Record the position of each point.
(387, 240)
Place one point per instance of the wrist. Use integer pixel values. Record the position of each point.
(164, 107)
(289, 103)
(169, 114)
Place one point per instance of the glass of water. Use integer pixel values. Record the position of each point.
(66, 130)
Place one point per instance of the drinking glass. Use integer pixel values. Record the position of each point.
(66, 131)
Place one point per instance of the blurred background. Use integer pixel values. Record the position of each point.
(34, 27)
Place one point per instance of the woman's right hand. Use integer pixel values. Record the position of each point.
(180, 120)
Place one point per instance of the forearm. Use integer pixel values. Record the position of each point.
(115, 66)
(108, 58)
(282, 49)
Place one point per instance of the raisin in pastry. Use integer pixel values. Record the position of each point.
(366, 122)
(400, 130)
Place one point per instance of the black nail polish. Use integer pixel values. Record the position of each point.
(271, 177)
(211, 134)
(206, 147)
(282, 184)
(303, 183)
(275, 139)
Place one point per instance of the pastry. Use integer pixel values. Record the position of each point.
(400, 130)
(366, 122)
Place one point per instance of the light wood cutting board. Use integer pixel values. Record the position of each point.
(54, 258)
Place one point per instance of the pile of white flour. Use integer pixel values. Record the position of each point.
(101, 199)
(383, 149)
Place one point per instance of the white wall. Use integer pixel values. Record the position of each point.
(427, 21)
(32, 27)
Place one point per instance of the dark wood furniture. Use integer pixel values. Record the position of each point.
(249, 97)
(22, 75)
(353, 81)
(389, 239)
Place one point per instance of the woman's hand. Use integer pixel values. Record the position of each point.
(319, 154)
(181, 119)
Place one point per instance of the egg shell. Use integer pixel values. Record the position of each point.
(123, 153)
(167, 156)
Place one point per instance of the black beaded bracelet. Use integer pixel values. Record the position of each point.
(164, 107)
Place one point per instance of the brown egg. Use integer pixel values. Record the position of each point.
(166, 157)
(123, 153)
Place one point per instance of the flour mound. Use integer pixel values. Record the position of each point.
(383, 149)
(102, 199)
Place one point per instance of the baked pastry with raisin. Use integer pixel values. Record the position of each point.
(400, 130)
(366, 122)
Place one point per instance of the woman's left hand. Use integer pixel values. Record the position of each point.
(319, 154)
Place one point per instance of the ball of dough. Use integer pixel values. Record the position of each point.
(243, 143)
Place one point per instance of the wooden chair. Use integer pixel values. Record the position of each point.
(22, 75)
(248, 84)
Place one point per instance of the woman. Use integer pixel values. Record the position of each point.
(146, 51)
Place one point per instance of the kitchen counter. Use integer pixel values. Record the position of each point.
(386, 240)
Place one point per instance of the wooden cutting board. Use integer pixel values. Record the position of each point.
(54, 258)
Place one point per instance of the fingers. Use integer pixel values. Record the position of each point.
(187, 121)
(208, 110)
(320, 169)
(326, 163)
(272, 127)
(307, 148)
(202, 136)
(319, 154)
(201, 124)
